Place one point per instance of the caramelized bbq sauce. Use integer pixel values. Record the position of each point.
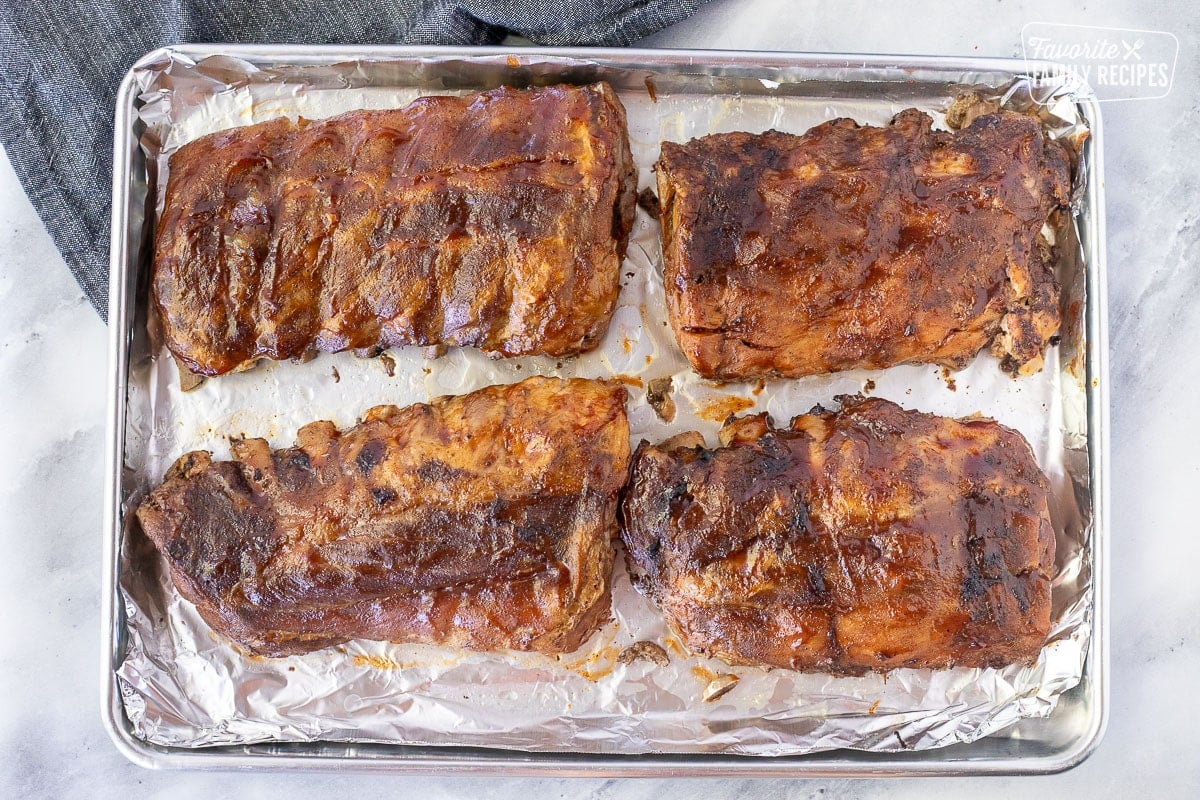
(862, 247)
(496, 221)
(479, 521)
(864, 539)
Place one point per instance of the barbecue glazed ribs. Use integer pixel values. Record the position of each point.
(865, 539)
(496, 220)
(482, 521)
(860, 247)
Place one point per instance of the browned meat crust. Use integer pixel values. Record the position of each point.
(861, 247)
(865, 539)
(496, 220)
(482, 521)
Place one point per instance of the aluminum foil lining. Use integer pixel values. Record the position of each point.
(184, 686)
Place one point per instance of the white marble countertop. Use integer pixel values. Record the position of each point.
(51, 738)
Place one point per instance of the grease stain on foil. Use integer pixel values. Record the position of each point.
(720, 409)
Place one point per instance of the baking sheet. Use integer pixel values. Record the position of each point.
(183, 686)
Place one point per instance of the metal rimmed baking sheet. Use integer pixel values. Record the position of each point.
(1034, 745)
